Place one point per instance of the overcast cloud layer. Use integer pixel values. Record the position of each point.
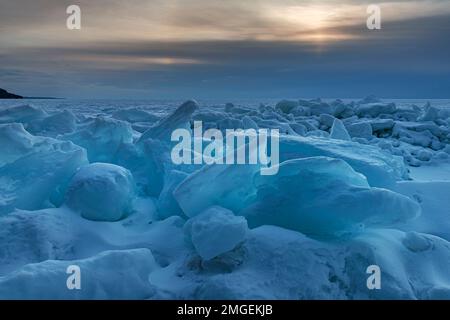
(225, 49)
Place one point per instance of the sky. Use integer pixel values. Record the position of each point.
(225, 49)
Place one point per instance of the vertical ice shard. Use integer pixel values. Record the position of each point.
(179, 119)
(338, 131)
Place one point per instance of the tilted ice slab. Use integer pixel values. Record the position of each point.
(16, 142)
(101, 137)
(338, 131)
(230, 186)
(375, 109)
(146, 163)
(59, 123)
(323, 197)
(179, 119)
(149, 158)
(150, 163)
(380, 168)
(318, 196)
(360, 130)
(21, 113)
(234, 186)
(34, 171)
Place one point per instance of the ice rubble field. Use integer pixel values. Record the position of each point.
(97, 188)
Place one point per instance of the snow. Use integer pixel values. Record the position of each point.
(34, 236)
(98, 282)
(60, 234)
(433, 198)
(313, 269)
(432, 172)
(359, 183)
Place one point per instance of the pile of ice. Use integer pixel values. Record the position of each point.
(99, 190)
(317, 196)
(35, 171)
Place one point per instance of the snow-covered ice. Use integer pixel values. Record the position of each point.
(35, 171)
(359, 183)
(101, 192)
(216, 231)
(104, 278)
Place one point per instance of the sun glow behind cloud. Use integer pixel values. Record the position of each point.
(313, 17)
(300, 21)
(200, 20)
(265, 20)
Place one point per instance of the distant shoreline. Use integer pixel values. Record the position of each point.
(5, 95)
(32, 98)
(43, 98)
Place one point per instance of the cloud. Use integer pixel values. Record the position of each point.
(247, 48)
(42, 22)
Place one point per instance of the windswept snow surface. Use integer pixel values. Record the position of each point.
(90, 186)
